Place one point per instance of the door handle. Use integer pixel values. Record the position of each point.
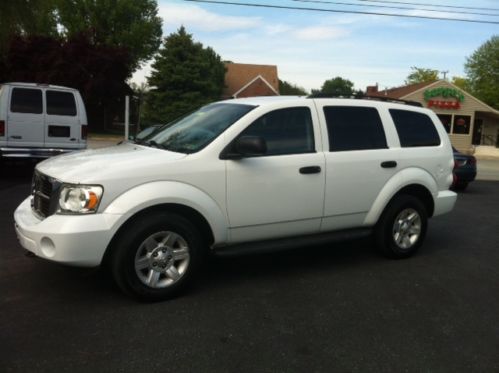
(389, 164)
(310, 170)
(16, 137)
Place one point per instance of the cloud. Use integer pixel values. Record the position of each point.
(195, 17)
(320, 33)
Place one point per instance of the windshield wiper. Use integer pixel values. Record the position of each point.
(154, 144)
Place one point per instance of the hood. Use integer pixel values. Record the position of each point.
(95, 165)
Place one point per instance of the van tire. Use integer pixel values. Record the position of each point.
(402, 227)
(157, 256)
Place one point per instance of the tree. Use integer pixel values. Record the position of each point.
(336, 87)
(461, 82)
(421, 75)
(286, 88)
(185, 75)
(482, 69)
(131, 24)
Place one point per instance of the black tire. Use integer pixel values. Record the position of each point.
(132, 239)
(387, 227)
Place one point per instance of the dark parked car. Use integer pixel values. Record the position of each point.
(464, 170)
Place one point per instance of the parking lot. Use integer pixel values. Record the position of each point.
(339, 307)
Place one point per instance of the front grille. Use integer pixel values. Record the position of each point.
(42, 188)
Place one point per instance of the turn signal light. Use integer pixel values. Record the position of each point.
(2, 128)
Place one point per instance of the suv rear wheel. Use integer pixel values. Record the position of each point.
(157, 256)
(402, 227)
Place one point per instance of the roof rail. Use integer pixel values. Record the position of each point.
(365, 97)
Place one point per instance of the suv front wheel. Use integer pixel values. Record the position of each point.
(156, 256)
(402, 227)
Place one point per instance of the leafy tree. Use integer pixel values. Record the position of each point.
(185, 75)
(336, 87)
(421, 75)
(286, 88)
(461, 82)
(482, 69)
(131, 24)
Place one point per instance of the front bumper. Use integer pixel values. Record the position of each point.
(79, 240)
(444, 202)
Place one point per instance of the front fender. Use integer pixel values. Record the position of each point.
(162, 192)
(403, 178)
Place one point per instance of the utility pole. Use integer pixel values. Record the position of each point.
(444, 74)
(127, 115)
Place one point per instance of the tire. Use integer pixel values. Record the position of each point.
(157, 256)
(401, 228)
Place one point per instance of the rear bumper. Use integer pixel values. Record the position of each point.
(465, 174)
(444, 202)
(13, 152)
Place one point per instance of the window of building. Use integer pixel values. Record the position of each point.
(286, 131)
(25, 100)
(446, 120)
(61, 103)
(461, 124)
(414, 129)
(354, 128)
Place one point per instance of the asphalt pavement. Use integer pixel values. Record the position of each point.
(337, 307)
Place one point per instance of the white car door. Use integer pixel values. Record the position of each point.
(25, 118)
(63, 126)
(280, 193)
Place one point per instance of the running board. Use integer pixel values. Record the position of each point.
(287, 243)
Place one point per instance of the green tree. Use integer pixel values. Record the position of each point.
(482, 70)
(421, 75)
(131, 24)
(185, 75)
(461, 82)
(336, 87)
(286, 88)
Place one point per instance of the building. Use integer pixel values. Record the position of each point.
(245, 80)
(467, 120)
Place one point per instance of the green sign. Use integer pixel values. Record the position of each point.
(443, 92)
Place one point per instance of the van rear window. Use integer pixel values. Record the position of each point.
(61, 103)
(26, 100)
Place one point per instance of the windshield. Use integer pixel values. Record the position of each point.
(193, 132)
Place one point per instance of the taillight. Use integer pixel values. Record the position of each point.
(2, 128)
(84, 132)
(456, 164)
(473, 160)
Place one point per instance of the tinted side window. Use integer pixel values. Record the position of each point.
(354, 128)
(25, 100)
(286, 131)
(414, 129)
(61, 103)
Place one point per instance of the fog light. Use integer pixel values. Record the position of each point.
(47, 247)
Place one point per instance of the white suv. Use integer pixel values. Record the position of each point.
(241, 174)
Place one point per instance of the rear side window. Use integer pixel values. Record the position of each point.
(286, 131)
(414, 129)
(25, 100)
(354, 128)
(61, 103)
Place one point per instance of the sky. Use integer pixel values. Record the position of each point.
(309, 47)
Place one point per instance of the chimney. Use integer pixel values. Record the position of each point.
(372, 89)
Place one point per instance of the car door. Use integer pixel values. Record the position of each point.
(358, 164)
(281, 193)
(25, 119)
(62, 122)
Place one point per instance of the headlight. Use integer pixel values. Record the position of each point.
(79, 199)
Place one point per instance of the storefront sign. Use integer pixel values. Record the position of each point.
(444, 92)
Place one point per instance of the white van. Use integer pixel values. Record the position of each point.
(40, 120)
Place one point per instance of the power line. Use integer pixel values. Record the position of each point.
(427, 4)
(342, 11)
(395, 7)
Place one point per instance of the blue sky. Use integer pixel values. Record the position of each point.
(310, 47)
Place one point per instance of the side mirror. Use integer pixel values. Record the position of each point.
(245, 146)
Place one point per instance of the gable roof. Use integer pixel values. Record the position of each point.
(253, 81)
(239, 75)
(399, 92)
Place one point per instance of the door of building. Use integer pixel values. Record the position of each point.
(477, 132)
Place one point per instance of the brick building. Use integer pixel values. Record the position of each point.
(246, 80)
